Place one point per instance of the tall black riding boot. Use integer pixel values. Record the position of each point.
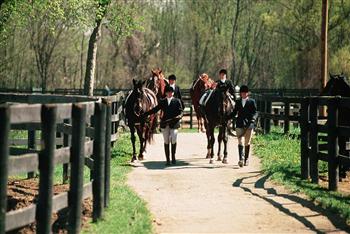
(167, 153)
(246, 155)
(173, 152)
(240, 152)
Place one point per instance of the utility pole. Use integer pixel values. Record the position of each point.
(324, 50)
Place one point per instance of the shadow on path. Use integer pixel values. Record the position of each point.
(339, 223)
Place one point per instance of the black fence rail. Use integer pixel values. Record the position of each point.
(75, 131)
(319, 134)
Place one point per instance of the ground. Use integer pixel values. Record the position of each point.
(195, 196)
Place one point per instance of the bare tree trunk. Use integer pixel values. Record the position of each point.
(233, 41)
(91, 60)
(81, 62)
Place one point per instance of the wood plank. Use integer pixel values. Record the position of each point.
(26, 126)
(19, 218)
(64, 111)
(22, 217)
(62, 155)
(24, 113)
(344, 160)
(19, 151)
(23, 164)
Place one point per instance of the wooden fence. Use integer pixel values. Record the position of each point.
(319, 134)
(87, 127)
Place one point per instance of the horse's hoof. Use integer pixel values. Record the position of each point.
(219, 158)
(240, 163)
(224, 161)
(211, 161)
(207, 156)
(246, 162)
(140, 158)
(133, 159)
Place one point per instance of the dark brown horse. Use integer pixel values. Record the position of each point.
(217, 108)
(338, 86)
(139, 101)
(197, 89)
(157, 83)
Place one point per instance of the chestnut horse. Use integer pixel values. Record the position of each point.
(157, 83)
(197, 89)
(139, 101)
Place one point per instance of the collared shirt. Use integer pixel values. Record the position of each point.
(173, 86)
(244, 101)
(169, 100)
(223, 80)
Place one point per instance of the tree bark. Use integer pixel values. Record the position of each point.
(91, 60)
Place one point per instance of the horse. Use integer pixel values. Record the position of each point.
(199, 86)
(338, 86)
(157, 83)
(140, 100)
(218, 106)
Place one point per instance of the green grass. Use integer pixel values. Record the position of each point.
(280, 157)
(126, 213)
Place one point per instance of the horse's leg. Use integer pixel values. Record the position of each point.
(207, 133)
(139, 133)
(225, 139)
(133, 139)
(212, 142)
(220, 136)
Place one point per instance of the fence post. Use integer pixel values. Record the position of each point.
(4, 156)
(46, 168)
(108, 150)
(275, 112)
(304, 139)
(262, 110)
(268, 120)
(99, 161)
(31, 145)
(286, 115)
(333, 166)
(77, 158)
(314, 140)
(66, 141)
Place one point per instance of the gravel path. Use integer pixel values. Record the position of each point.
(195, 196)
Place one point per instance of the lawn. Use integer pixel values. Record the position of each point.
(126, 213)
(280, 158)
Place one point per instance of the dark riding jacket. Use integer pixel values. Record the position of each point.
(247, 115)
(172, 113)
(224, 86)
(177, 94)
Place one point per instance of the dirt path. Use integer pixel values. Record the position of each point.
(195, 196)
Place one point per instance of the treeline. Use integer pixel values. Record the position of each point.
(263, 44)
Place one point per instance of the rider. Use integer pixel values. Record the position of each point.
(177, 91)
(170, 121)
(245, 109)
(224, 84)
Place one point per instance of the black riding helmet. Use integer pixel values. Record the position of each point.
(168, 88)
(244, 89)
(172, 77)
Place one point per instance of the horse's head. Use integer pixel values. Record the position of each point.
(157, 82)
(336, 85)
(138, 94)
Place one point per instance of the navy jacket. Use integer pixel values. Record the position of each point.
(224, 86)
(247, 115)
(177, 94)
(172, 113)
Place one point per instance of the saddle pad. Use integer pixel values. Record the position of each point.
(205, 97)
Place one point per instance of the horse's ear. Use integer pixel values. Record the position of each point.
(144, 82)
(134, 82)
(331, 75)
